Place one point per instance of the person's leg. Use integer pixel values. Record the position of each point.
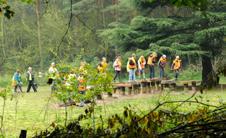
(130, 74)
(134, 74)
(176, 74)
(20, 88)
(33, 86)
(143, 72)
(116, 74)
(53, 86)
(119, 75)
(29, 86)
(161, 72)
(15, 88)
(152, 71)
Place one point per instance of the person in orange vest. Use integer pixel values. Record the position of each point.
(176, 66)
(102, 66)
(162, 64)
(141, 66)
(117, 66)
(151, 63)
(131, 67)
(81, 88)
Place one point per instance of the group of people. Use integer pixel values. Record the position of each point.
(17, 81)
(132, 67)
(139, 65)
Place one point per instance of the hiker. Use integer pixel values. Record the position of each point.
(81, 89)
(117, 67)
(151, 63)
(176, 66)
(141, 66)
(82, 68)
(162, 64)
(131, 67)
(17, 81)
(52, 76)
(102, 66)
(30, 79)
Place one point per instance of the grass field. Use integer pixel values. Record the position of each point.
(31, 108)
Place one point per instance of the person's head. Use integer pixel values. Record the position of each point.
(164, 56)
(17, 71)
(177, 57)
(104, 59)
(29, 68)
(154, 54)
(133, 55)
(53, 64)
(82, 63)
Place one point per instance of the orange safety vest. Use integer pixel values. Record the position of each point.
(81, 85)
(177, 64)
(142, 63)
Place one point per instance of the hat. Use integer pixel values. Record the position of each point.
(177, 57)
(164, 56)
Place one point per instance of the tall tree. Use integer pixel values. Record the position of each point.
(37, 10)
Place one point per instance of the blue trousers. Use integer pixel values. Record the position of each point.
(132, 75)
(161, 72)
(152, 71)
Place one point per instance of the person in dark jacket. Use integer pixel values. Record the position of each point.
(30, 79)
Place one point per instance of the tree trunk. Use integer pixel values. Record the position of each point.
(209, 78)
(37, 10)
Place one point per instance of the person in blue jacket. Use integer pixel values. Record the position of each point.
(17, 81)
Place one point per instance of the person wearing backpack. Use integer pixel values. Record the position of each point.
(151, 63)
(141, 66)
(17, 81)
(162, 65)
(131, 68)
(176, 66)
(117, 67)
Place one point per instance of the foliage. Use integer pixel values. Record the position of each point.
(67, 83)
(207, 120)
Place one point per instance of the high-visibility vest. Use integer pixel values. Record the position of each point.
(162, 62)
(81, 85)
(131, 66)
(104, 65)
(117, 65)
(142, 63)
(176, 64)
(151, 60)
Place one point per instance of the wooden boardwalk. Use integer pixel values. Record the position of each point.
(154, 85)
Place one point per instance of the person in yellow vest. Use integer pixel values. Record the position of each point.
(102, 66)
(176, 66)
(151, 63)
(131, 68)
(117, 67)
(81, 88)
(141, 66)
(162, 64)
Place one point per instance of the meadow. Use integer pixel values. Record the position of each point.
(37, 111)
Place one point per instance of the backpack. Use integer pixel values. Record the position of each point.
(131, 62)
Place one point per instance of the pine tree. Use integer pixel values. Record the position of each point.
(201, 33)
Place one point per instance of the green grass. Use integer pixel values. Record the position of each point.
(32, 106)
